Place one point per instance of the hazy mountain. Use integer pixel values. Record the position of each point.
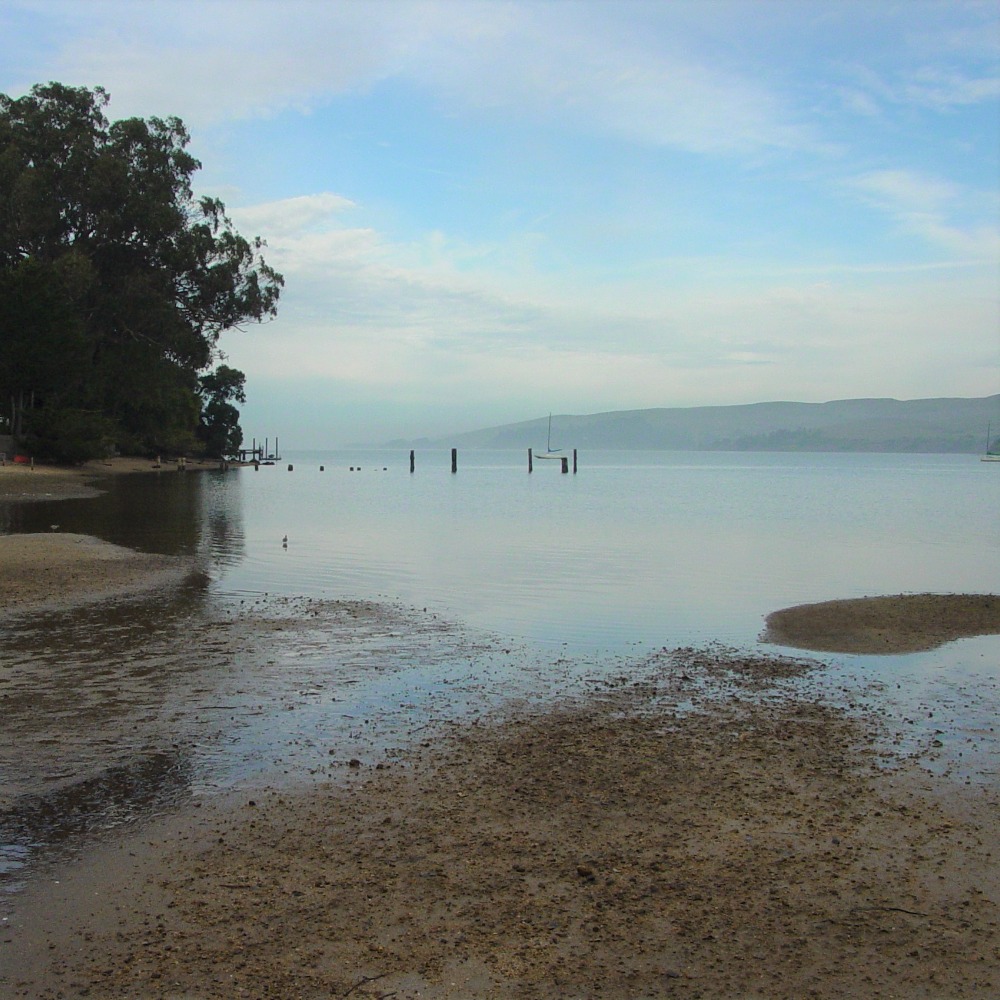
(914, 425)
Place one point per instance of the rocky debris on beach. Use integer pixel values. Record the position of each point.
(613, 846)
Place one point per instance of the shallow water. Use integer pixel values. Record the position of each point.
(492, 582)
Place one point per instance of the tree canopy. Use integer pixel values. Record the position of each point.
(116, 283)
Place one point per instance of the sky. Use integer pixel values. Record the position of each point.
(489, 211)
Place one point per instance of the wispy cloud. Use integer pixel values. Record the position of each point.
(927, 207)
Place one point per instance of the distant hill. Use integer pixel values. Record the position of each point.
(886, 425)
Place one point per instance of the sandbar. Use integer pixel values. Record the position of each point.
(890, 624)
(46, 571)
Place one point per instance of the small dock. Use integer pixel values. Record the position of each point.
(260, 454)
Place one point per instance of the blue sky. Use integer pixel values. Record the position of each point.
(488, 211)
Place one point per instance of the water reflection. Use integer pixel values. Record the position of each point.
(36, 822)
(194, 514)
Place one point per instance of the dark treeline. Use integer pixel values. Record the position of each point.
(116, 284)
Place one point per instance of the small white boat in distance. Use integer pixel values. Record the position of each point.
(549, 452)
(990, 456)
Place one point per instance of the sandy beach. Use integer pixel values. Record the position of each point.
(727, 827)
(60, 569)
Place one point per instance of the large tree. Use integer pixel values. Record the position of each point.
(115, 281)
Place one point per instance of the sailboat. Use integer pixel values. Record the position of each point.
(990, 456)
(550, 452)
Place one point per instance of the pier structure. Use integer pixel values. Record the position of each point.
(260, 453)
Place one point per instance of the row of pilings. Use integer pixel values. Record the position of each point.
(563, 460)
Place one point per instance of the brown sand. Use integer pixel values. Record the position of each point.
(903, 623)
(57, 482)
(754, 846)
(48, 571)
(614, 848)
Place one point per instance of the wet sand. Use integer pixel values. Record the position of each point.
(725, 828)
(903, 623)
(56, 482)
(59, 569)
(614, 846)
(41, 572)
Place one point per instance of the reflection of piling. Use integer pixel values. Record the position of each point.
(531, 467)
(454, 460)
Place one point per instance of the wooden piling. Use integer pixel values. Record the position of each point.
(290, 468)
(574, 461)
(454, 460)
(531, 467)
(564, 462)
(411, 460)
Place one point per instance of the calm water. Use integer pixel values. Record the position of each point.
(636, 548)
(581, 573)
(640, 548)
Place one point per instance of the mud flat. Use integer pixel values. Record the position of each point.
(56, 482)
(904, 623)
(715, 830)
(50, 571)
(41, 572)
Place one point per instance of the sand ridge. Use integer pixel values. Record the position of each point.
(44, 571)
(889, 624)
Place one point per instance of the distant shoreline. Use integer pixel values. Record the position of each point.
(947, 425)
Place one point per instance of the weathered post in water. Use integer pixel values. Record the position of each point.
(411, 460)
(454, 460)
(574, 461)
(564, 462)
(531, 468)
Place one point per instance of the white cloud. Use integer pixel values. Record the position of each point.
(291, 216)
(360, 311)
(903, 190)
(220, 60)
(928, 207)
(944, 91)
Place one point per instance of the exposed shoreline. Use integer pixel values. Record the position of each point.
(613, 845)
(902, 623)
(46, 572)
(58, 570)
(610, 846)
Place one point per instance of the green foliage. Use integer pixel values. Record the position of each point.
(68, 435)
(220, 430)
(115, 281)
